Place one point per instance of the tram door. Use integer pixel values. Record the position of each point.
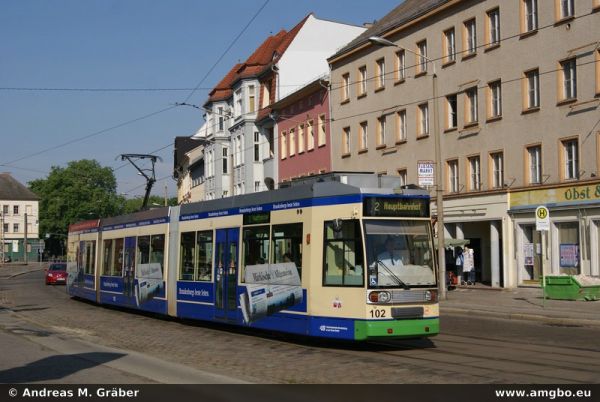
(226, 267)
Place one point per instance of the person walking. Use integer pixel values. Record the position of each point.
(468, 266)
(460, 261)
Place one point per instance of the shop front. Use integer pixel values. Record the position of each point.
(571, 246)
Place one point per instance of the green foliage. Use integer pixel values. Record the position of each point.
(81, 191)
(154, 201)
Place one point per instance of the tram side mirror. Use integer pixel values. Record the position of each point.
(337, 225)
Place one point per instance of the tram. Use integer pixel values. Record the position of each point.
(347, 256)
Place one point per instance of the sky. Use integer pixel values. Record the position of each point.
(93, 79)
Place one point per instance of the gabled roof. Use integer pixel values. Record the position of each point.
(405, 12)
(260, 60)
(11, 189)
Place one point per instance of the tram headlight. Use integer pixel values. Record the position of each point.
(431, 295)
(380, 297)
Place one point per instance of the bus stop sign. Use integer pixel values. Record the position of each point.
(542, 218)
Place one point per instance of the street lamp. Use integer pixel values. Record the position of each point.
(376, 40)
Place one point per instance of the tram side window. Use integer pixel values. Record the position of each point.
(187, 251)
(143, 245)
(90, 254)
(343, 254)
(196, 256)
(256, 247)
(157, 250)
(112, 264)
(287, 244)
(118, 258)
(204, 242)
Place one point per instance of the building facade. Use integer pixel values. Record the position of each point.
(303, 130)
(512, 91)
(19, 230)
(240, 137)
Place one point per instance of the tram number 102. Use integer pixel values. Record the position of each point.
(378, 313)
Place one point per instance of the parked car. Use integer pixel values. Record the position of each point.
(56, 274)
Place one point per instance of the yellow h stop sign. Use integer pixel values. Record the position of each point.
(542, 218)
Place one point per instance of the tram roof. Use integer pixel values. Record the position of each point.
(326, 185)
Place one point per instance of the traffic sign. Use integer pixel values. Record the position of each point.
(542, 218)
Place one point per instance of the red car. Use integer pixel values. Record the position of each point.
(56, 274)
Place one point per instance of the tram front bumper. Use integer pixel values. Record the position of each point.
(370, 329)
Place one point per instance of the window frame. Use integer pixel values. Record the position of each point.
(531, 180)
(346, 141)
(380, 78)
(310, 125)
(469, 38)
(358, 251)
(452, 175)
(529, 16)
(322, 131)
(474, 172)
(529, 77)
(493, 32)
(451, 116)
(362, 81)
(400, 73)
(567, 87)
(423, 120)
(283, 145)
(381, 131)
(449, 46)
(401, 127)
(421, 58)
(494, 100)
(345, 88)
(301, 139)
(471, 106)
(363, 136)
(569, 163)
(496, 169)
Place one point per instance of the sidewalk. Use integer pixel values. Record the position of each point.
(520, 304)
(8, 270)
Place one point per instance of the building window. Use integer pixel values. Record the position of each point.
(251, 99)
(532, 96)
(401, 126)
(5, 209)
(470, 37)
(534, 154)
(310, 134)
(497, 162)
(363, 138)
(292, 140)
(301, 140)
(451, 112)
(238, 103)
(566, 9)
(453, 176)
(5, 227)
(15, 227)
(422, 57)
(423, 120)
(493, 31)
(449, 46)
(571, 159)
(380, 73)
(15, 210)
(321, 135)
(568, 77)
(381, 131)
(346, 141)
(471, 109)
(256, 186)
(283, 145)
(362, 80)
(345, 87)
(530, 15)
(474, 173)
(403, 175)
(221, 119)
(495, 99)
(225, 160)
(256, 146)
(400, 65)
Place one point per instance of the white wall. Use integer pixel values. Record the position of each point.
(306, 57)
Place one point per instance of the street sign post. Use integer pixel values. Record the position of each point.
(542, 224)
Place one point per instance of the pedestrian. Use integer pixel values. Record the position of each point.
(460, 261)
(468, 266)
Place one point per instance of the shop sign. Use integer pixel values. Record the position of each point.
(425, 173)
(542, 218)
(573, 194)
(569, 255)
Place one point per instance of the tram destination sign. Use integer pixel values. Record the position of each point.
(257, 218)
(396, 207)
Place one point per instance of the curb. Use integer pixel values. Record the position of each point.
(21, 273)
(523, 317)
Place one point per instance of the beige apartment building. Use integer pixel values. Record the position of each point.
(512, 89)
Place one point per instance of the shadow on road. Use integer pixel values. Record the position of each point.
(56, 367)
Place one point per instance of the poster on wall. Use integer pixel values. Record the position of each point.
(569, 255)
(528, 253)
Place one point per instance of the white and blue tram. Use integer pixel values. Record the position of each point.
(339, 256)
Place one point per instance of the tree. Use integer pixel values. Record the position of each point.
(81, 191)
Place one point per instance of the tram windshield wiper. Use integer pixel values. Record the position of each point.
(394, 277)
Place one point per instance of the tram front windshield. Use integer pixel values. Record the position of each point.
(399, 254)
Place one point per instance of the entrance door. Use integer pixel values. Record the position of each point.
(129, 268)
(226, 267)
(531, 264)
